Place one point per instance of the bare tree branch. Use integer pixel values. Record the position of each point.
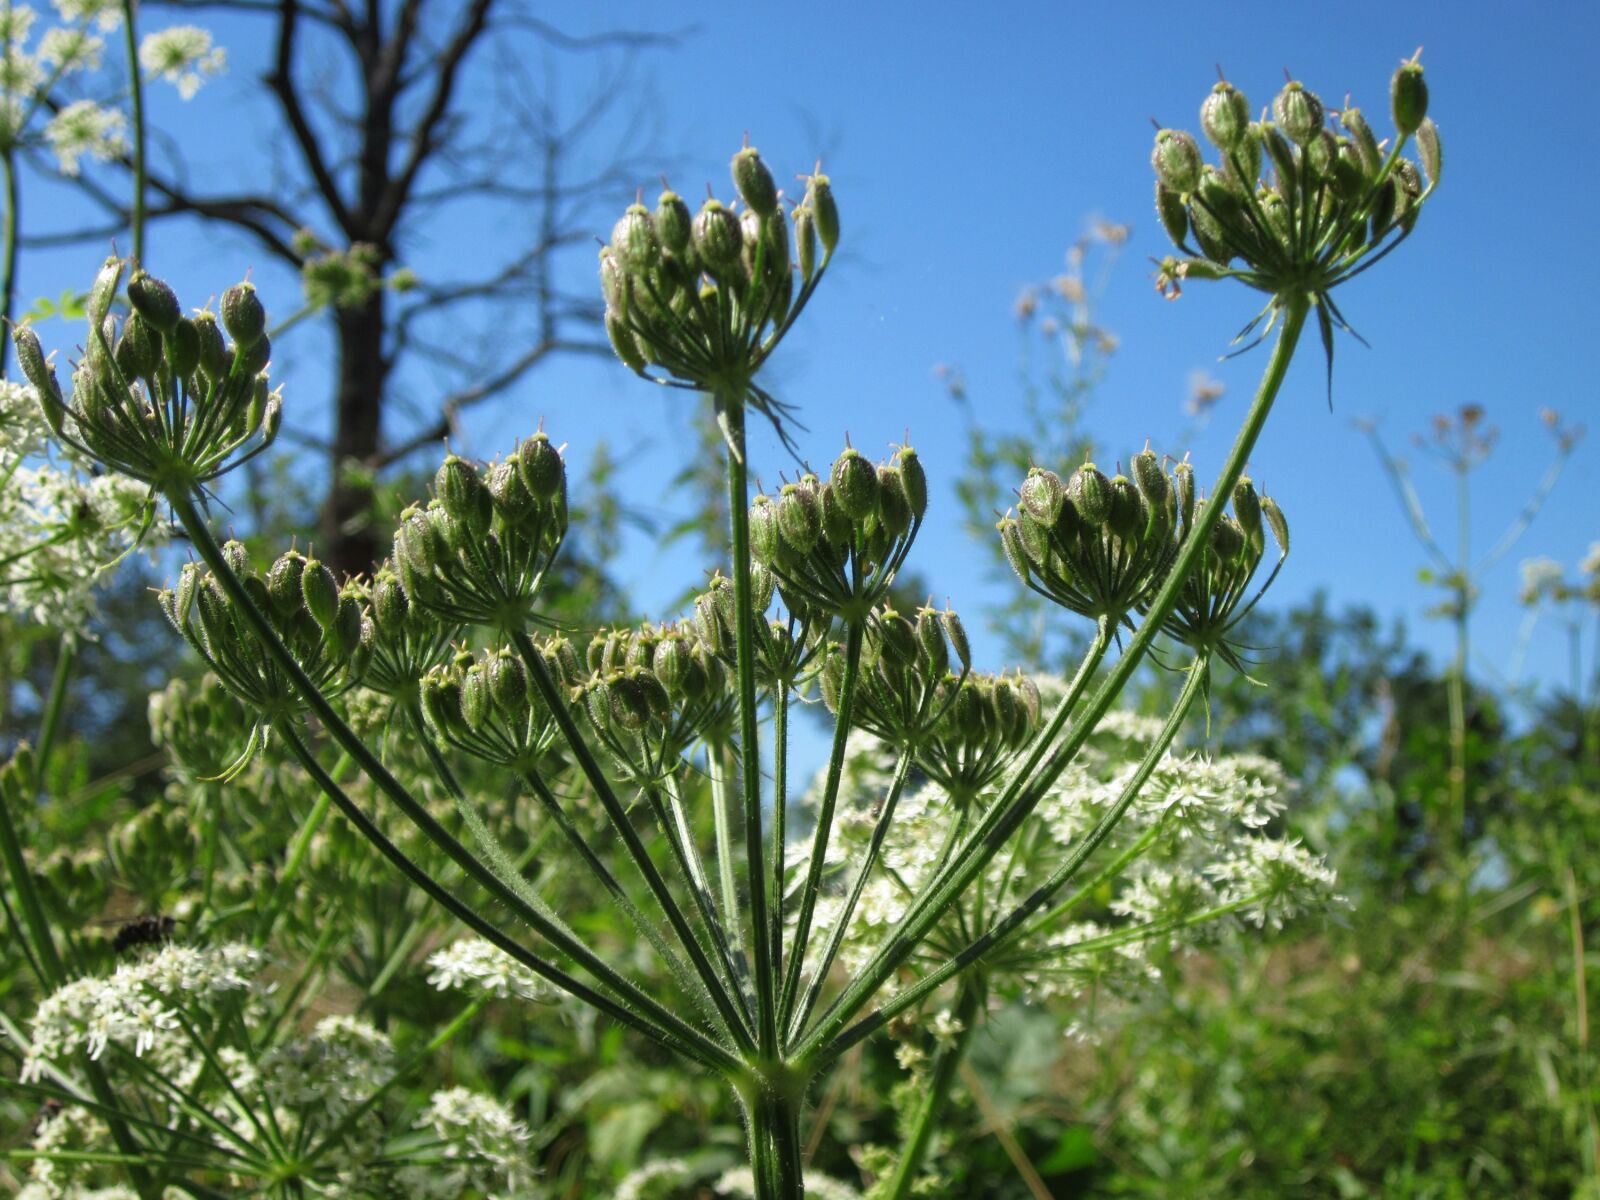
(281, 80)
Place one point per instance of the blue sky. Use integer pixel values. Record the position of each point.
(968, 151)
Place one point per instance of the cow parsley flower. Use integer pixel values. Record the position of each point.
(474, 963)
(84, 128)
(106, 14)
(16, 20)
(182, 55)
(483, 1147)
(71, 49)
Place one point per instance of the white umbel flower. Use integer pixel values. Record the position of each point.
(183, 56)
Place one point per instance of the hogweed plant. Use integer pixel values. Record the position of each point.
(968, 829)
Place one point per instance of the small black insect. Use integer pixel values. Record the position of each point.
(143, 931)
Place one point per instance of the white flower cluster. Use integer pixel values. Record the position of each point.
(482, 1149)
(82, 129)
(61, 527)
(136, 1006)
(475, 964)
(193, 1016)
(1201, 859)
(183, 56)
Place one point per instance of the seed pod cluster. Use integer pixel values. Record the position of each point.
(707, 297)
(991, 717)
(650, 692)
(408, 640)
(477, 553)
(834, 547)
(1332, 195)
(1094, 544)
(1218, 595)
(157, 396)
(321, 624)
(486, 706)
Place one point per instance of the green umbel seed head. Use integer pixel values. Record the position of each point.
(1176, 159)
(1298, 112)
(754, 181)
(1224, 116)
(243, 315)
(1408, 94)
(154, 301)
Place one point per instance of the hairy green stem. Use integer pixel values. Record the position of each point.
(136, 98)
(730, 409)
(1024, 792)
(8, 249)
(854, 636)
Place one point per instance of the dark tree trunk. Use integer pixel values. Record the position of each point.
(349, 539)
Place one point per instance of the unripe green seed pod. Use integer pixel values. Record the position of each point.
(390, 604)
(1429, 151)
(508, 686)
(1090, 493)
(1224, 116)
(154, 301)
(1150, 479)
(1408, 96)
(800, 518)
(1247, 510)
(1128, 516)
(1322, 154)
(1183, 479)
(805, 240)
(626, 701)
(463, 496)
(1349, 177)
(673, 222)
(755, 183)
(634, 242)
(935, 660)
(1283, 163)
(894, 506)
(475, 698)
(968, 713)
(1210, 237)
(345, 633)
(182, 345)
(1299, 113)
(1220, 194)
(1174, 216)
(717, 239)
(1366, 142)
(1011, 544)
(283, 583)
(855, 485)
(183, 597)
(1007, 709)
(237, 557)
(613, 281)
(214, 356)
(138, 351)
(541, 467)
(563, 662)
(1228, 540)
(837, 529)
(512, 498)
(1035, 539)
(1276, 522)
(30, 353)
(1385, 204)
(243, 315)
(670, 662)
(103, 291)
(766, 538)
(1043, 496)
(957, 633)
(320, 591)
(441, 703)
(708, 624)
(897, 637)
(624, 343)
(1176, 159)
(915, 480)
(824, 211)
(252, 360)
